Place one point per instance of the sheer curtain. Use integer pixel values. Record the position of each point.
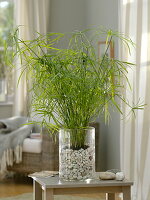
(30, 16)
(135, 132)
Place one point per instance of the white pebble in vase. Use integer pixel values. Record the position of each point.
(120, 176)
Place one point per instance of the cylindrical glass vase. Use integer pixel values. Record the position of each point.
(76, 154)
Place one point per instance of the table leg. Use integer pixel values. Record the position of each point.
(48, 194)
(37, 191)
(126, 193)
(111, 196)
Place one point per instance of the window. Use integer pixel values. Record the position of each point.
(6, 25)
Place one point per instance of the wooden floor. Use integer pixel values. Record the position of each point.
(15, 186)
(19, 185)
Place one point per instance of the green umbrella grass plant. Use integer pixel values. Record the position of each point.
(72, 85)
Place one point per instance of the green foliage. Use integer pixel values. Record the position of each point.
(6, 19)
(72, 85)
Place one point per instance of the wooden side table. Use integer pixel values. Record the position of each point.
(54, 186)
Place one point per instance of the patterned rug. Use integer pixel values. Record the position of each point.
(29, 196)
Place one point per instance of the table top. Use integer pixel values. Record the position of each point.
(55, 182)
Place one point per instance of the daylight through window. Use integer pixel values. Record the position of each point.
(6, 74)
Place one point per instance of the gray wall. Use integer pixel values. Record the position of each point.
(102, 13)
(6, 110)
(67, 15)
(105, 13)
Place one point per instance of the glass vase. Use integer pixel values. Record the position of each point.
(76, 154)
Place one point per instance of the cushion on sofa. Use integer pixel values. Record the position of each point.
(32, 145)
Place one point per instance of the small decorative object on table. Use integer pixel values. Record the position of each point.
(120, 176)
(113, 174)
(44, 174)
(107, 176)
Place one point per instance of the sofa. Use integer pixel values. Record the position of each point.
(46, 158)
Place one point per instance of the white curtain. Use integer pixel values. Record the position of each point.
(31, 16)
(135, 132)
